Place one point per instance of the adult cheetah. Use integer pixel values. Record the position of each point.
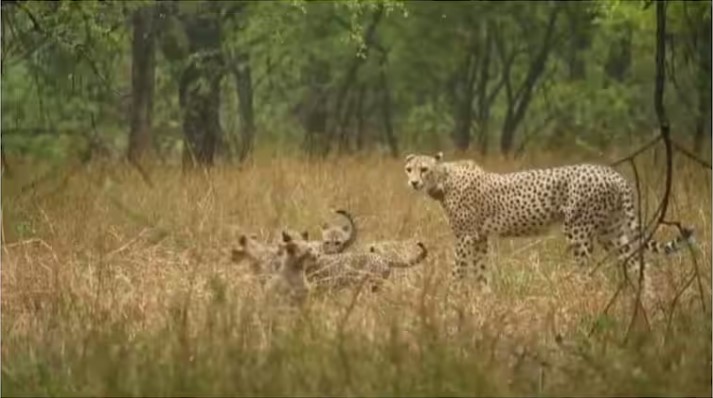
(589, 200)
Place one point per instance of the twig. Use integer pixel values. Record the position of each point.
(637, 152)
(683, 231)
(637, 304)
(665, 133)
(608, 306)
(690, 155)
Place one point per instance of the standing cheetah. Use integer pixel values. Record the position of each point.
(589, 200)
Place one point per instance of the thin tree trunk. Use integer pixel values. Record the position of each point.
(463, 96)
(343, 125)
(199, 92)
(245, 96)
(360, 118)
(485, 99)
(5, 166)
(312, 111)
(619, 58)
(703, 118)
(517, 105)
(580, 25)
(201, 122)
(351, 74)
(142, 84)
(386, 112)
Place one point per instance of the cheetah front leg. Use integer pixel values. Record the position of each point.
(470, 256)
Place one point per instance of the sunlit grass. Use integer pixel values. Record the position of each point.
(110, 287)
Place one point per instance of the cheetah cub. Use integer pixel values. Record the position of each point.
(337, 238)
(264, 258)
(289, 281)
(337, 271)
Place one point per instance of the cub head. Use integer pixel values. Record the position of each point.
(246, 248)
(335, 238)
(423, 172)
(249, 249)
(296, 252)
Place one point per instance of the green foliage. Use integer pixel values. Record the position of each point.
(67, 68)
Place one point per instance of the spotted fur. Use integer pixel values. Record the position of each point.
(264, 258)
(590, 201)
(346, 269)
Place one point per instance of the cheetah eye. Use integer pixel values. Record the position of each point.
(408, 169)
(424, 169)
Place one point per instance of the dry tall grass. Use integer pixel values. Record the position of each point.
(110, 287)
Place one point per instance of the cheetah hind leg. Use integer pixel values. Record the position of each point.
(614, 237)
(579, 241)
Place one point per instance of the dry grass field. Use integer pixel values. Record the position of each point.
(113, 288)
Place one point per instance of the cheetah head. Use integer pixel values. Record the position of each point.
(296, 252)
(249, 249)
(246, 248)
(336, 238)
(423, 171)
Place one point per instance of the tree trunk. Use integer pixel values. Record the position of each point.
(580, 25)
(5, 166)
(142, 84)
(463, 96)
(200, 91)
(201, 119)
(703, 117)
(313, 109)
(342, 126)
(360, 118)
(245, 96)
(619, 58)
(386, 109)
(484, 98)
(351, 76)
(517, 105)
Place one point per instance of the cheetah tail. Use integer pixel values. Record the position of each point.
(673, 245)
(414, 261)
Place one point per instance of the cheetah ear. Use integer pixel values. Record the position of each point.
(305, 235)
(439, 156)
(410, 156)
(291, 248)
(286, 237)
